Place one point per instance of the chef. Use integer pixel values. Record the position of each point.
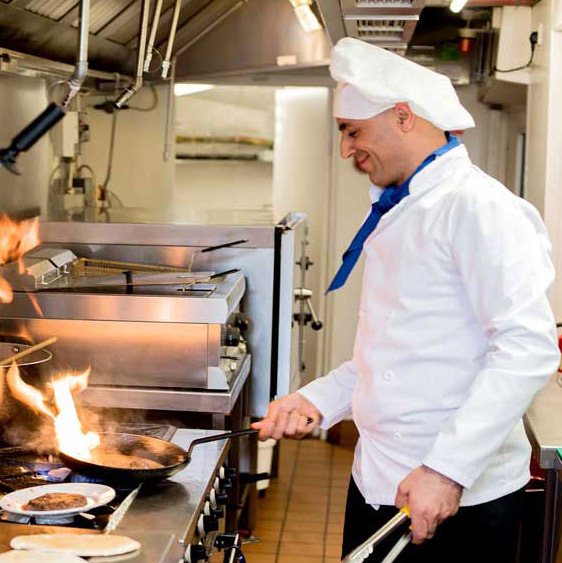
(455, 333)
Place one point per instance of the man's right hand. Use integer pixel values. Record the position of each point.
(289, 417)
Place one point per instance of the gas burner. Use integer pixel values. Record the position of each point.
(39, 520)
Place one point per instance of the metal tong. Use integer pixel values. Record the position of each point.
(361, 553)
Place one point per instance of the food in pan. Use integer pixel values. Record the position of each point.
(84, 545)
(122, 461)
(21, 556)
(56, 501)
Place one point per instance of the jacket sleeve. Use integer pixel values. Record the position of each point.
(332, 394)
(502, 253)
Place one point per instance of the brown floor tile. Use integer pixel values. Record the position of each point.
(268, 548)
(303, 559)
(316, 538)
(268, 524)
(255, 558)
(301, 549)
(305, 526)
(332, 550)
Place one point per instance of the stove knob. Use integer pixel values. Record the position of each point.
(210, 524)
(217, 512)
(195, 553)
(231, 336)
(207, 524)
(222, 499)
(225, 485)
(241, 321)
(227, 472)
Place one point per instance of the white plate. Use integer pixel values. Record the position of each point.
(97, 495)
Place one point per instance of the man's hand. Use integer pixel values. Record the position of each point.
(432, 498)
(290, 417)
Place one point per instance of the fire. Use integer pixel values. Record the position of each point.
(70, 436)
(25, 393)
(15, 240)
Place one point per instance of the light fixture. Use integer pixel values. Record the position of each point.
(186, 89)
(307, 18)
(457, 5)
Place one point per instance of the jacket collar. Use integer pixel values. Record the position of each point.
(430, 176)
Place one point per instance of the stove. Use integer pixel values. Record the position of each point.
(166, 517)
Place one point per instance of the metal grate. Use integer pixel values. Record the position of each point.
(380, 29)
(52, 9)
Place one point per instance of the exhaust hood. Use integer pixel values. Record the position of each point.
(214, 38)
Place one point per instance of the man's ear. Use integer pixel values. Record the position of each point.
(404, 116)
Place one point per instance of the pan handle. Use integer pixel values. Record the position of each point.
(216, 437)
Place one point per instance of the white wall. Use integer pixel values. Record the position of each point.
(140, 177)
(21, 100)
(301, 181)
(544, 121)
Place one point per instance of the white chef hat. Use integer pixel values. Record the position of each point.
(372, 80)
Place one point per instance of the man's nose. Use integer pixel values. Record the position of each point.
(346, 147)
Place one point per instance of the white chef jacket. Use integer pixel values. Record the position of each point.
(455, 336)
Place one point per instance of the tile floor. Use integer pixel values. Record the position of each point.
(301, 517)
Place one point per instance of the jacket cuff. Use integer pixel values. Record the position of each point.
(449, 470)
(331, 414)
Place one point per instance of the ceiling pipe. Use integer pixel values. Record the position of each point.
(173, 27)
(152, 38)
(54, 112)
(133, 88)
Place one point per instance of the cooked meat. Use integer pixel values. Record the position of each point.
(56, 501)
(121, 461)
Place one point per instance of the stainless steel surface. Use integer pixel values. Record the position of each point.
(361, 553)
(117, 516)
(174, 505)
(207, 400)
(130, 227)
(543, 422)
(387, 24)
(141, 306)
(162, 517)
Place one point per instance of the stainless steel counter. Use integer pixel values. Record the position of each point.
(163, 515)
(543, 423)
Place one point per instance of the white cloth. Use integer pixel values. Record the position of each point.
(455, 336)
(380, 79)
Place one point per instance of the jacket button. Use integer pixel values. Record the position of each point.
(397, 437)
(388, 375)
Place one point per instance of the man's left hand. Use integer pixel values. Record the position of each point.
(432, 498)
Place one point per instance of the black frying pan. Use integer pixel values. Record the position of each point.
(171, 457)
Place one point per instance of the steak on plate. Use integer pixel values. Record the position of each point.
(56, 501)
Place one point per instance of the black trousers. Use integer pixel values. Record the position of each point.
(484, 533)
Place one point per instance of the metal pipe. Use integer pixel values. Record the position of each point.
(81, 68)
(168, 56)
(212, 26)
(152, 38)
(132, 89)
(170, 113)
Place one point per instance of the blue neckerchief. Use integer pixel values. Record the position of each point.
(389, 198)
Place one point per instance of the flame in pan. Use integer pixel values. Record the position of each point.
(71, 438)
(70, 435)
(25, 393)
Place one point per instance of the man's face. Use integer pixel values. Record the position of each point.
(374, 145)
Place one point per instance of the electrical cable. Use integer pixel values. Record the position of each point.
(111, 139)
(154, 104)
(533, 39)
